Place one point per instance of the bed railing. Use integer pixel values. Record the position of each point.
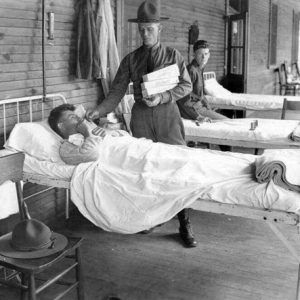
(209, 75)
(26, 109)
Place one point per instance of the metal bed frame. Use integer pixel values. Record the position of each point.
(271, 217)
(36, 107)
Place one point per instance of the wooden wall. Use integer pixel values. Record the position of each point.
(21, 60)
(183, 14)
(261, 79)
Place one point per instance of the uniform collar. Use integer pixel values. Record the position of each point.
(154, 47)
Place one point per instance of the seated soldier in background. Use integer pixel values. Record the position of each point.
(195, 105)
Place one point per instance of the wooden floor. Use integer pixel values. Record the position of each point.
(236, 259)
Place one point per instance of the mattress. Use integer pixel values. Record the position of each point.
(268, 130)
(251, 101)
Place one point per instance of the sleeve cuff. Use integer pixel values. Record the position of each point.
(165, 97)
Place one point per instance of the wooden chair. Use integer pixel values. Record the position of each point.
(289, 105)
(290, 88)
(29, 268)
(11, 167)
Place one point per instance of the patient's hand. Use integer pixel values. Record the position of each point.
(83, 129)
(99, 131)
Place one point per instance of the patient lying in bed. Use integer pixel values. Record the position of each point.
(81, 138)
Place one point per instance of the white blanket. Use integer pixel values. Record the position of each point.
(137, 184)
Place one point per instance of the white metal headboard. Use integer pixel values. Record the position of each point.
(26, 109)
(209, 75)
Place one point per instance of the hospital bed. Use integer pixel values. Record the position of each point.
(234, 101)
(268, 134)
(270, 215)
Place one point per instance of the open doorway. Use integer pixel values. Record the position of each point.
(237, 45)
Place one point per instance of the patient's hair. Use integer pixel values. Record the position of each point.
(200, 44)
(56, 114)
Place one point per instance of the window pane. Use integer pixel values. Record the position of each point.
(237, 33)
(236, 61)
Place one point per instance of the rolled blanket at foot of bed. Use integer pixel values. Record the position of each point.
(281, 166)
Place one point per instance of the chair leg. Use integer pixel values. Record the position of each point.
(31, 288)
(79, 276)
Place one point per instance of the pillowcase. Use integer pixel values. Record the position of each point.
(36, 139)
(213, 88)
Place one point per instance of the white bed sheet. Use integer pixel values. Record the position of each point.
(252, 101)
(239, 129)
(137, 184)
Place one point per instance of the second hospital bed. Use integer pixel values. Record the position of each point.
(286, 210)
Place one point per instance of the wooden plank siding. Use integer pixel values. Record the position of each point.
(183, 14)
(21, 75)
(261, 79)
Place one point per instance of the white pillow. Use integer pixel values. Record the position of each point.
(36, 139)
(213, 88)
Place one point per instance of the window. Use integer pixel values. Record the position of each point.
(273, 33)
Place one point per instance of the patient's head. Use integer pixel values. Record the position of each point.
(202, 54)
(63, 120)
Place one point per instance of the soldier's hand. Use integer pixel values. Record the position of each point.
(92, 114)
(153, 100)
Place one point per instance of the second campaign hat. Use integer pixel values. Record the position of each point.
(31, 238)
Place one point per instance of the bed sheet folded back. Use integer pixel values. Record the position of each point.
(252, 101)
(137, 184)
(239, 129)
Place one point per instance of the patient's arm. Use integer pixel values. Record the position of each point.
(73, 155)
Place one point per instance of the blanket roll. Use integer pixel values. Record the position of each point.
(281, 166)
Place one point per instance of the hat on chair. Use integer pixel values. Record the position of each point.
(31, 238)
(149, 12)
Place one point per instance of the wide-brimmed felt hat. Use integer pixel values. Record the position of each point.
(31, 239)
(149, 12)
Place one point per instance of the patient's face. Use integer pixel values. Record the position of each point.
(202, 56)
(68, 122)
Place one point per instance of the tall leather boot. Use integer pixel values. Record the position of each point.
(185, 228)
